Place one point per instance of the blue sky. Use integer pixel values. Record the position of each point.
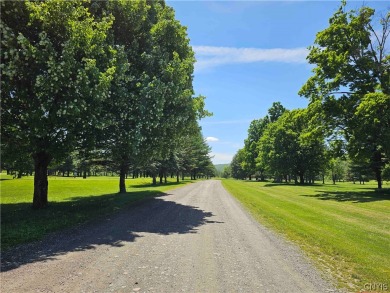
(249, 55)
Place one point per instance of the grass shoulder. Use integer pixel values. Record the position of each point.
(344, 228)
(71, 201)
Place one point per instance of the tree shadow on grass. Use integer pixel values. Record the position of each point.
(155, 215)
(292, 184)
(352, 196)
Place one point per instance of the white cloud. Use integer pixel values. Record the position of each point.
(211, 139)
(221, 158)
(208, 56)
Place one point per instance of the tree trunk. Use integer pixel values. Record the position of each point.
(301, 179)
(85, 175)
(41, 161)
(122, 178)
(377, 167)
(177, 177)
(154, 179)
(378, 175)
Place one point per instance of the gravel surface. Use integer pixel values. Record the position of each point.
(195, 239)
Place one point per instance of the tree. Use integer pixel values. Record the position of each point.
(293, 146)
(227, 172)
(175, 108)
(386, 172)
(255, 131)
(195, 155)
(54, 76)
(359, 171)
(67, 166)
(276, 148)
(16, 161)
(237, 171)
(371, 137)
(335, 159)
(133, 88)
(151, 99)
(275, 111)
(351, 64)
(337, 168)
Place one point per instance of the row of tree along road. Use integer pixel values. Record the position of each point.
(104, 82)
(347, 121)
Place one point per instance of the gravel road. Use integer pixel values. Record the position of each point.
(197, 238)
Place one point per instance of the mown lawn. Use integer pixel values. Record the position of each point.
(71, 201)
(344, 228)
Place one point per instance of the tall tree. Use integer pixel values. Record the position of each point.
(150, 99)
(370, 140)
(54, 76)
(226, 172)
(237, 171)
(351, 64)
(130, 104)
(174, 105)
(193, 153)
(255, 131)
(293, 145)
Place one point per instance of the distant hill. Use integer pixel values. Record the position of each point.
(220, 167)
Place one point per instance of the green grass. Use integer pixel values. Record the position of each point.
(344, 228)
(71, 201)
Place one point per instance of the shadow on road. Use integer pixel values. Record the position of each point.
(151, 185)
(156, 215)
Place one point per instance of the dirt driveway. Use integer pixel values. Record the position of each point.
(195, 239)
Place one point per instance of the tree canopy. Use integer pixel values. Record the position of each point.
(351, 78)
(111, 80)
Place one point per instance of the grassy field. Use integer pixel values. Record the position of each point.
(344, 228)
(71, 201)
